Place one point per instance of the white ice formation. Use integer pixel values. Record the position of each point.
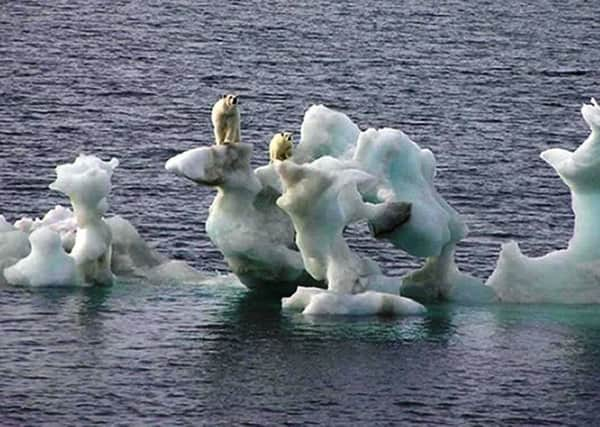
(315, 301)
(254, 235)
(87, 183)
(338, 175)
(378, 174)
(14, 245)
(321, 204)
(98, 247)
(280, 227)
(46, 265)
(59, 219)
(571, 275)
(405, 172)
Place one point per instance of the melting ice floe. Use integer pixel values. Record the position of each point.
(386, 173)
(87, 183)
(46, 265)
(280, 227)
(14, 245)
(254, 235)
(338, 175)
(34, 252)
(571, 275)
(319, 301)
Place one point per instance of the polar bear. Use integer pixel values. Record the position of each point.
(226, 120)
(281, 146)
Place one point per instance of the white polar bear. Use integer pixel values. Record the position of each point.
(226, 120)
(281, 146)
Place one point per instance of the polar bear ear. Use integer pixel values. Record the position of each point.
(224, 95)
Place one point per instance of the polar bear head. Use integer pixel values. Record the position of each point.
(229, 101)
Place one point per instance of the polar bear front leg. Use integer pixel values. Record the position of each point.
(235, 137)
(220, 134)
(232, 132)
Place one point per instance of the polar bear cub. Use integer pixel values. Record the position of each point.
(281, 146)
(226, 120)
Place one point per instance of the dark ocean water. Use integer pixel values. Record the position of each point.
(485, 85)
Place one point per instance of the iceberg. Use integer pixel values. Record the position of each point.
(46, 265)
(571, 275)
(385, 178)
(99, 247)
(406, 172)
(14, 245)
(87, 183)
(281, 226)
(321, 204)
(254, 235)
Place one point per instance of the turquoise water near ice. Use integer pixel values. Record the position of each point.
(486, 85)
(213, 355)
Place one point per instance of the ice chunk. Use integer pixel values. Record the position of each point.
(400, 173)
(322, 198)
(567, 276)
(46, 265)
(87, 182)
(255, 236)
(313, 301)
(406, 174)
(14, 245)
(321, 205)
(336, 176)
(59, 219)
(325, 132)
(131, 256)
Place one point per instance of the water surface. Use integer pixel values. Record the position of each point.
(486, 85)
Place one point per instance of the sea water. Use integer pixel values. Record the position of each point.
(486, 86)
